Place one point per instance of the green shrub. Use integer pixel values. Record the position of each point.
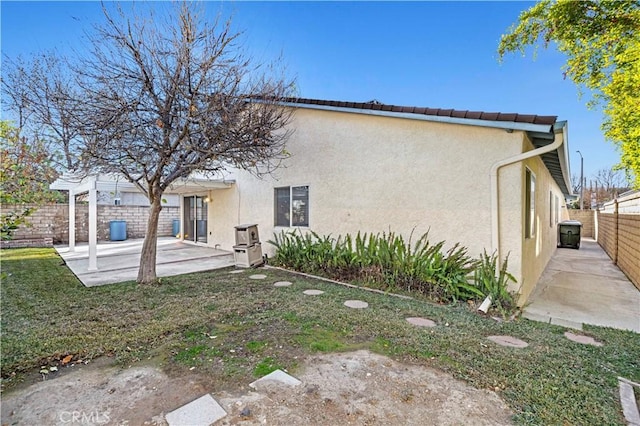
(388, 262)
(494, 282)
(10, 222)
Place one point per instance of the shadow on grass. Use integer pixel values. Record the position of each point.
(235, 329)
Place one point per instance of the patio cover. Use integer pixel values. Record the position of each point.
(77, 185)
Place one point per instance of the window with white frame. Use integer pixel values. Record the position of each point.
(557, 209)
(551, 210)
(530, 204)
(291, 206)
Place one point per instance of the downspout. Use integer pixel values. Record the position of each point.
(495, 201)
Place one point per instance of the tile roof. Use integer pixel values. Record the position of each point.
(551, 160)
(474, 115)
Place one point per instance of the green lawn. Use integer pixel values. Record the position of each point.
(231, 329)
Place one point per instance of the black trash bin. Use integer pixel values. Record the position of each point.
(569, 234)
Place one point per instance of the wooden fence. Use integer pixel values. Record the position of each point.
(619, 236)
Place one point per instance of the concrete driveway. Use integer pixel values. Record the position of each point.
(585, 287)
(119, 260)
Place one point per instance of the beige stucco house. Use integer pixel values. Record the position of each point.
(486, 180)
(490, 181)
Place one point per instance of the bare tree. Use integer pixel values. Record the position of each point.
(612, 181)
(575, 184)
(164, 99)
(15, 88)
(40, 92)
(606, 185)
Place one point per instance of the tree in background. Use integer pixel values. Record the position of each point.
(611, 181)
(602, 42)
(40, 92)
(605, 185)
(575, 184)
(25, 175)
(161, 98)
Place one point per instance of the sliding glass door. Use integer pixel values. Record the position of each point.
(195, 219)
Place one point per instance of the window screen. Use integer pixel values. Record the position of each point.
(292, 206)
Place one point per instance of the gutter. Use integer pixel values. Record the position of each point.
(563, 155)
(495, 203)
(507, 125)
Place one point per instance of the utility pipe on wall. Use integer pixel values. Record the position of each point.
(495, 200)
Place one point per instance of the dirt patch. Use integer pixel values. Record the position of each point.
(100, 395)
(357, 388)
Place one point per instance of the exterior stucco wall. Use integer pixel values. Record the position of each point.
(373, 174)
(224, 214)
(537, 251)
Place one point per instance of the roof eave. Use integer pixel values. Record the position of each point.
(564, 155)
(556, 162)
(507, 125)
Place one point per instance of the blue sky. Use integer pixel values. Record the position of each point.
(435, 54)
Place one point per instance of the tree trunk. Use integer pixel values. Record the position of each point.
(147, 271)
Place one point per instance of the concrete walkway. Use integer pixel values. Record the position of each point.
(585, 287)
(119, 260)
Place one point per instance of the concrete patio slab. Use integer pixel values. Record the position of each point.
(119, 261)
(585, 287)
(201, 412)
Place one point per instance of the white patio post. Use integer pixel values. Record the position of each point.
(72, 220)
(181, 213)
(93, 225)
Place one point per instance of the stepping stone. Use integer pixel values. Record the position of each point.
(421, 322)
(585, 340)
(313, 292)
(356, 304)
(628, 401)
(258, 277)
(509, 341)
(203, 411)
(237, 271)
(277, 376)
(282, 284)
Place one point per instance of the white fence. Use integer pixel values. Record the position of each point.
(628, 203)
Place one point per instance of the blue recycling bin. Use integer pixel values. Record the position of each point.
(118, 230)
(176, 227)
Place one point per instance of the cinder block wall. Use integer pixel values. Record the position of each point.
(52, 221)
(586, 217)
(136, 218)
